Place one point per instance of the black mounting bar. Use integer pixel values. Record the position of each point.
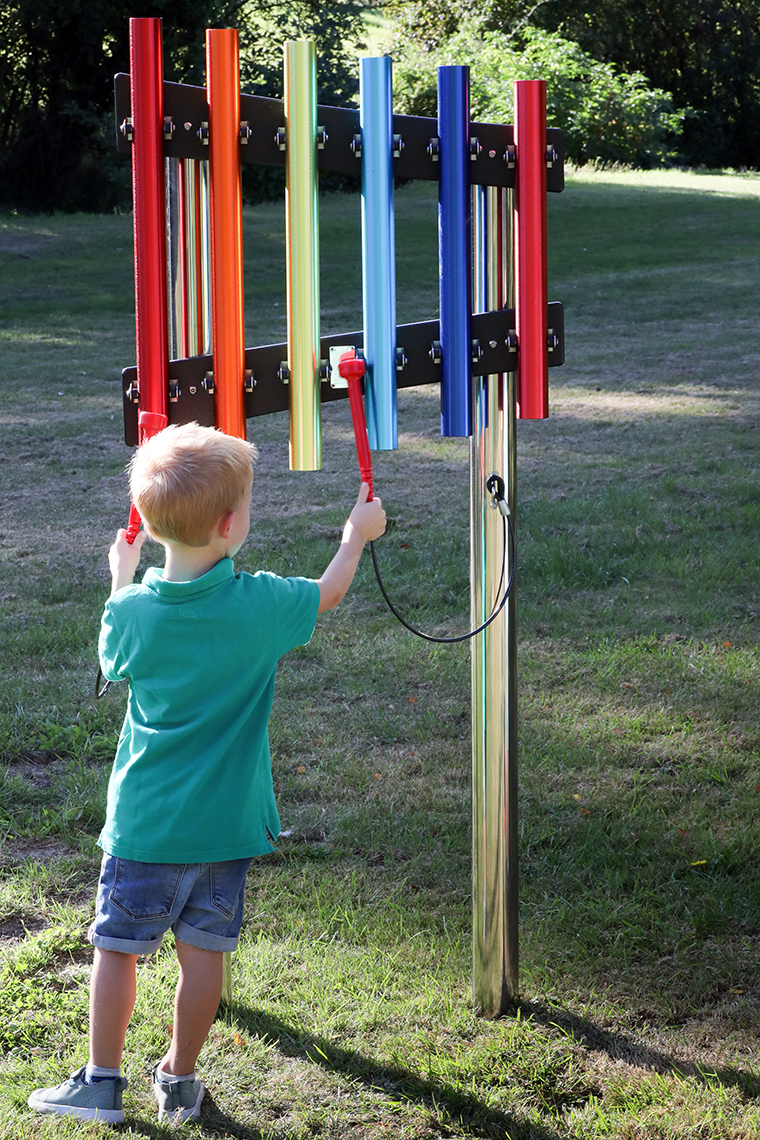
(191, 379)
(186, 117)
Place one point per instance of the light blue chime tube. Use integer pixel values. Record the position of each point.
(378, 251)
(454, 254)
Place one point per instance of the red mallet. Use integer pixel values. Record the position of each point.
(352, 368)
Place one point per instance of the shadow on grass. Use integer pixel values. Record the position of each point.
(448, 1107)
(620, 1047)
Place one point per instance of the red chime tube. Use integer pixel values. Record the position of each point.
(148, 197)
(223, 78)
(530, 249)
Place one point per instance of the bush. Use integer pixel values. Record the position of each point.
(607, 117)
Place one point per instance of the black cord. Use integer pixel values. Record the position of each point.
(508, 529)
(98, 691)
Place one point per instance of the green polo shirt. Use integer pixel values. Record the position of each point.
(192, 778)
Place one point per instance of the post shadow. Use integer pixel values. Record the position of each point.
(621, 1047)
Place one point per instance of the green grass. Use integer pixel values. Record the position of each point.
(639, 595)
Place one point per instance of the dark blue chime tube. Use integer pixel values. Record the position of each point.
(454, 256)
(378, 251)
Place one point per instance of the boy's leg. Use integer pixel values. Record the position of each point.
(112, 999)
(199, 991)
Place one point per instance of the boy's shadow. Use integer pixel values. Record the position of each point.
(449, 1107)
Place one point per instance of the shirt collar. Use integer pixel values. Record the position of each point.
(216, 576)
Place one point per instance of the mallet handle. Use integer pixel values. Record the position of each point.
(352, 368)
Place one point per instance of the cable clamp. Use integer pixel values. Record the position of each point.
(497, 490)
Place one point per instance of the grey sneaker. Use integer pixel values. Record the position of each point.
(178, 1100)
(99, 1101)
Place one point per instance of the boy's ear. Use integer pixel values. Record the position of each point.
(224, 524)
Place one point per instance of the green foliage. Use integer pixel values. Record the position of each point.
(606, 116)
(336, 29)
(705, 52)
(57, 63)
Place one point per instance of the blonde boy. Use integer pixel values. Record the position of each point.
(190, 799)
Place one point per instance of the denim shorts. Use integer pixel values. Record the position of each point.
(138, 902)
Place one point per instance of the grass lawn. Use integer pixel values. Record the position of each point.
(639, 599)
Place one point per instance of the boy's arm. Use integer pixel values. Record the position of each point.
(365, 523)
(123, 560)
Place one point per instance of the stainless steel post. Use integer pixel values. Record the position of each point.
(494, 652)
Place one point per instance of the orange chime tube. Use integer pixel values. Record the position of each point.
(151, 299)
(223, 79)
(530, 249)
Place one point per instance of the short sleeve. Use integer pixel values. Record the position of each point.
(296, 608)
(111, 646)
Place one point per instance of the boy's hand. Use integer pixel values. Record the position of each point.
(367, 519)
(124, 559)
(365, 523)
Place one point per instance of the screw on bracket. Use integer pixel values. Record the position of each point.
(475, 148)
(207, 383)
(202, 133)
(551, 156)
(169, 128)
(401, 360)
(249, 382)
(434, 148)
(245, 132)
(510, 341)
(283, 372)
(552, 340)
(398, 146)
(510, 155)
(133, 393)
(281, 138)
(436, 353)
(174, 391)
(324, 370)
(356, 145)
(127, 128)
(322, 138)
(477, 351)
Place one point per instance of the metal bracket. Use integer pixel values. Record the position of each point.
(415, 158)
(418, 361)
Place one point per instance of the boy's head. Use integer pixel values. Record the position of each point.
(185, 478)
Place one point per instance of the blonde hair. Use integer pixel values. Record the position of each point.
(186, 477)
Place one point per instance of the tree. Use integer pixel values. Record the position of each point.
(58, 60)
(706, 53)
(606, 116)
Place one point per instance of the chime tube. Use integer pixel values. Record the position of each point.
(302, 254)
(148, 196)
(454, 256)
(226, 208)
(190, 256)
(530, 248)
(378, 251)
(205, 232)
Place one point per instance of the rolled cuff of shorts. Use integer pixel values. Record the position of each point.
(123, 945)
(202, 939)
